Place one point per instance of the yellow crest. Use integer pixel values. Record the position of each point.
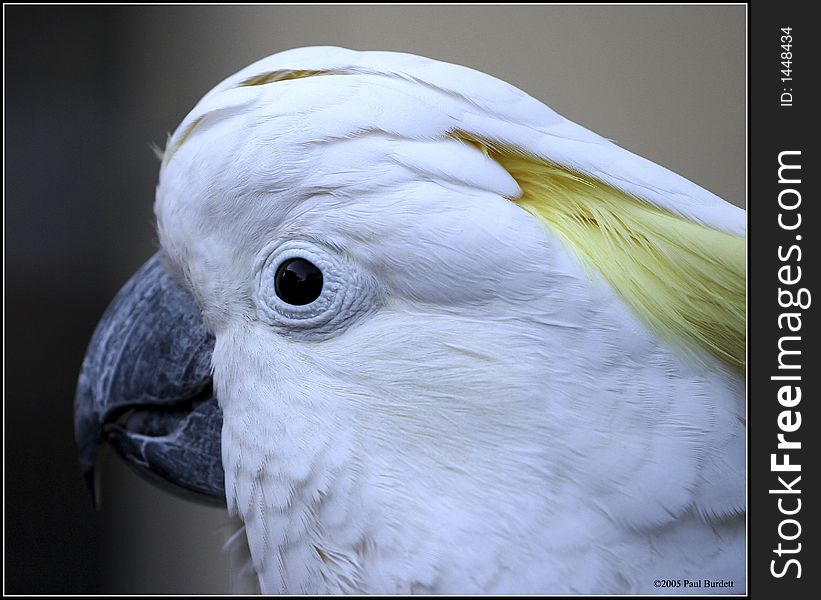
(685, 280)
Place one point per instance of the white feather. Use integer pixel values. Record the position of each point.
(478, 415)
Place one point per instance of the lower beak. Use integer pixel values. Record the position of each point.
(145, 388)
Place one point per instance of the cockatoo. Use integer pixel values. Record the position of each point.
(419, 333)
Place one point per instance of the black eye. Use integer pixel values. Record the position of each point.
(298, 282)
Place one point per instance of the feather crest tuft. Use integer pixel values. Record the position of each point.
(686, 280)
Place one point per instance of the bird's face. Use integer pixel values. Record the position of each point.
(356, 335)
(382, 316)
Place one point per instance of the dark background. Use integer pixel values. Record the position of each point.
(88, 89)
(79, 187)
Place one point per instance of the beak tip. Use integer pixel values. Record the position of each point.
(87, 436)
(90, 476)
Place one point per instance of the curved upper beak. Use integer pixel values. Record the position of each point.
(145, 388)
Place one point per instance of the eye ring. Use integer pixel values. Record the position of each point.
(298, 281)
(342, 292)
(278, 311)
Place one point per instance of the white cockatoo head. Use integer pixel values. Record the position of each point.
(450, 346)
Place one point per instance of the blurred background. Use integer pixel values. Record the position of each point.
(88, 89)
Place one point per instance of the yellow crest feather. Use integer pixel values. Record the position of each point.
(685, 280)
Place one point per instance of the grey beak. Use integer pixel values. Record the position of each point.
(145, 388)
